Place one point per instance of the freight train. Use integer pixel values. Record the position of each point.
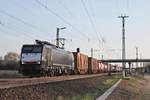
(44, 58)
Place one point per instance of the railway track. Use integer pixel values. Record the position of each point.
(8, 83)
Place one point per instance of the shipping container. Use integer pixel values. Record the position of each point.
(100, 65)
(93, 65)
(81, 63)
(105, 68)
(114, 68)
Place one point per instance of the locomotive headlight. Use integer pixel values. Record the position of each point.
(38, 62)
(22, 62)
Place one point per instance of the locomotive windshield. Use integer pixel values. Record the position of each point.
(32, 49)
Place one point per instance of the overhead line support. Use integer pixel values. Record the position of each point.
(123, 45)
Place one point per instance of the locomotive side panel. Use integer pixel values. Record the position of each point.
(46, 58)
(58, 61)
(62, 58)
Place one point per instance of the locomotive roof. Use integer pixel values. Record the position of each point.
(53, 46)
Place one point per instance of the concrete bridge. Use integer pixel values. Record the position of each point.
(126, 60)
(129, 61)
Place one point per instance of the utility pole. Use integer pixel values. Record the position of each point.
(92, 52)
(141, 64)
(137, 54)
(102, 57)
(57, 35)
(123, 45)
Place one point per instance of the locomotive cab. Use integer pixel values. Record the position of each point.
(31, 59)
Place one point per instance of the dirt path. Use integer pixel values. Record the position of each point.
(147, 86)
(136, 88)
(146, 90)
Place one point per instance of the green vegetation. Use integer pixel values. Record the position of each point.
(131, 89)
(10, 74)
(104, 85)
(10, 62)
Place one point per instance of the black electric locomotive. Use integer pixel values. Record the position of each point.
(46, 59)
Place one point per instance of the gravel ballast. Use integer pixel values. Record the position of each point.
(65, 90)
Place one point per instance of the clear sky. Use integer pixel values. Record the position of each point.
(88, 22)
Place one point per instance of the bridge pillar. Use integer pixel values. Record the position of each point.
(129, 67)
(109, 69)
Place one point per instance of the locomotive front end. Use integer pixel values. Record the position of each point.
(30, 61)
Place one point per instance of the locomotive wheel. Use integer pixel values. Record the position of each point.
(52, 73)
(60, 72)
(71, 72)
(43, 73)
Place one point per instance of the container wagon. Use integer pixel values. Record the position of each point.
(100, 65)
(93, 65)
(81, 63)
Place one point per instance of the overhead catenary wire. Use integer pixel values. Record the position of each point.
(27, 36)
(90, 20)
(128, 2)
(100, 39)
(93, 13)
(14, 33)
(23, 23)
(94, 19)
(122, 6)
(128, 6)
(19, 20)
(4, 25)
(21, 6)
(28, 10)
(66, 8)
(103, 41)
(61, 18)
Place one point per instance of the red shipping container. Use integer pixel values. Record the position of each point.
(100, 65)
(93, 65)
(81, 63)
